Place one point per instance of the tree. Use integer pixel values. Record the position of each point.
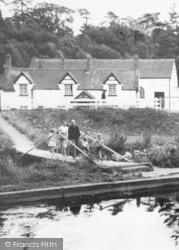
(86, 15)
(174, 20)
(21, 9)
(111, 17)
(53, 18)
(102, 52)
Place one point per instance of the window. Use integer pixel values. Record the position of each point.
(23, 89)
(142, 93)
(23, 107)
(68, 89)
(112, 89)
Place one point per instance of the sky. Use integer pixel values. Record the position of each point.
(122, 8)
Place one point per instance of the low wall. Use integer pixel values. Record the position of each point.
(130, 188)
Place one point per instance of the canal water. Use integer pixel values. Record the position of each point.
(150, 223)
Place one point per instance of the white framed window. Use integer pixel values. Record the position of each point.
(112, 89)
(23, 89)
(142, 93)
(68, 89)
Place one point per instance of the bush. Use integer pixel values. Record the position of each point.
(147, 136)
(117, 142)
(159, 156)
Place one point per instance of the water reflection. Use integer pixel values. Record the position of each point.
(170, 209)
(116, 207)
(75, 209)
(132, 216)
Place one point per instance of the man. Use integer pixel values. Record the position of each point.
(73, 135)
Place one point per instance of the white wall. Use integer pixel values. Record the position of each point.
(174, 80)
(151, 86)
(54, 98)
(12, 99)
(123, 99)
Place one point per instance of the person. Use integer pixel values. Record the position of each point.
(103, 96)
(85, 145)
(63, 130)
(73, 135)
(99, 145)
(52, 141)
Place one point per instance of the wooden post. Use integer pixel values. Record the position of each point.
(37, 145)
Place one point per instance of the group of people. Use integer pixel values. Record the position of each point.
(66, 139)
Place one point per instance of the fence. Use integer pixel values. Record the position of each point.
(156, 103)
(166, 103)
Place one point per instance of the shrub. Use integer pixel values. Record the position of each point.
(159, 156)
(147, 136)
(117, 142)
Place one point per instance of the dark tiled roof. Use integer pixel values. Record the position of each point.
(8, 79)
(53, 70)
(149, 68)
(156, 68)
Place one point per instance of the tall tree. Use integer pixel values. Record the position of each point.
(53, 18)
(86, 15)
(21, 9)
(111, 17)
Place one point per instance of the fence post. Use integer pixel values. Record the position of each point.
(96, 105)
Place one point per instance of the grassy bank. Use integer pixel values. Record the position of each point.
(142, 128)
(148, 134)
(27, 172)
(17, 173)
(132, 122)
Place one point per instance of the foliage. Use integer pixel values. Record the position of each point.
(52, 18)
(5, 141)
(117, 142)
(20, 173)
(45, 31)
(85, 14)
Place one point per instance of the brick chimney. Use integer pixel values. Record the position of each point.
(63, 61)
(7, 61)
(88, 63)
(136, 69)
(136, 62)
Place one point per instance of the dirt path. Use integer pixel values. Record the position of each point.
(21, 142)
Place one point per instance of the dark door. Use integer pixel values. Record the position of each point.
(161, 97)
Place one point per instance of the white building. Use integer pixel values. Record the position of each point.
(66, 83)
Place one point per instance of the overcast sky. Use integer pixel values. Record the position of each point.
(122, 8)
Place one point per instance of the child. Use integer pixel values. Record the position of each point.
(99, 145)
(85, 145)
(52, 141)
